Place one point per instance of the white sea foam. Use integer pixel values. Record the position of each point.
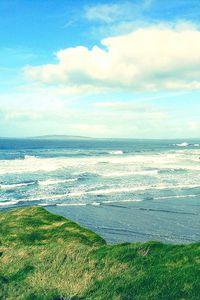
(121, 201)
(111, 191)
(98, 203)
(134, 189)
(7, 203)
(71, 204)
(56, 181)
(13, 202)
(44, 204)
(177, 196)
(88, 164)
(95, 203)
(116, 152)
(16, 185)
(71, 179)
(184, 144)
(28, 165)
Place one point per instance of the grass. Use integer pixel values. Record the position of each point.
(45, 256)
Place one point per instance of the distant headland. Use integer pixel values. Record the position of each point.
(60, 137)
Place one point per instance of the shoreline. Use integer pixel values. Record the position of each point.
(143, 221)
(172, 221)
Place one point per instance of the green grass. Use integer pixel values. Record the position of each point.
(45, 256)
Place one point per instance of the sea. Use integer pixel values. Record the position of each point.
(126, 190)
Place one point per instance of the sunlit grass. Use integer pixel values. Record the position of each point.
(45, 256)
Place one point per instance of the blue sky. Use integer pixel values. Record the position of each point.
(100, 68)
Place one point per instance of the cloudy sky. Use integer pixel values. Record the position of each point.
(100, 68)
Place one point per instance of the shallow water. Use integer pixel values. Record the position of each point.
(171, 221)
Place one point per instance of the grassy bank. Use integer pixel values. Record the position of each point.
(45, 256)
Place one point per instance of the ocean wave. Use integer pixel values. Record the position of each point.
(46, 204)
(86, 165)
(56, 181)
(15, 185)
(111, 191)
(92, 203)
(19, 166)
(7, 203)
(129, 173)
(184, 144)
(71, 204)
(95, 203)
(98, 203)
(122, 201)
(177, 196)
(116, 152)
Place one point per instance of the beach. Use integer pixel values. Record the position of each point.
(169, 221)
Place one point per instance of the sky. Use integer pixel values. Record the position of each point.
(120, 69)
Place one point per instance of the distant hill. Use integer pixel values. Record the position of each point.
(60, 137)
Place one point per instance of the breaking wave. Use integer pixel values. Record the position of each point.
(111, 191)
(116, 152)
(56, 181)
(184, 144)
(16, 185)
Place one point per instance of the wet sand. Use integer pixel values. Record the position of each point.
(169, 220)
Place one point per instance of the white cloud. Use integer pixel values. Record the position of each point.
(103, 12)
(152, 59)
(116, 12)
